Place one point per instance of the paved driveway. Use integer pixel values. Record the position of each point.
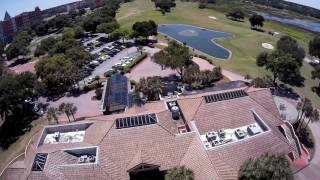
(86, 106)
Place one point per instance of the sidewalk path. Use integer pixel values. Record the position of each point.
(312, 171)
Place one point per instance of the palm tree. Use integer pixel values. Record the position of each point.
(179, 173)
(314, 117)
(151, 87)
(266, 167)
(97, 78)
(72, 109)
(63, 108)
(52, 114)
(304, 110)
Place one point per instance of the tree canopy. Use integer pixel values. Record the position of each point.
(236, 14)
(107, 27)
(266, 167)
(145, 29)
(151, 87)
(179, 173)
(314, 47)
(57, 74)
(19, 45)
(285, 62)
(256, 21)
(289, 45)
(14, 91)
(176, 56)
(164, 5)
(199, 79)
(283, 67)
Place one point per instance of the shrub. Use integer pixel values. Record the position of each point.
(202, 5)
(135, 62)
(99, 92)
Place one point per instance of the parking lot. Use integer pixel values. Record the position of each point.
(107, 65)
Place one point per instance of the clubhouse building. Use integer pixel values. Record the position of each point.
(213, 133)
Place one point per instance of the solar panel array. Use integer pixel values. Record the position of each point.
(135, 121)
(39, 162)
(225, 96)
(116, 97)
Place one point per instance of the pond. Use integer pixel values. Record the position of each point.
(308, 25)
(198, 38)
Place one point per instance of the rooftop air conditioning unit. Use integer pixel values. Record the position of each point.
(240, 133)
(253, 129)
(83, 159)
(222, 133)
(211, 136)
(56, 136)
(172, 103)
(92, 158)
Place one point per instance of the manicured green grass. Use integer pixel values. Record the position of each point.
(245, 45)
(19, 146)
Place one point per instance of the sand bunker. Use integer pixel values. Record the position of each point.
(267, 46)
(212, 17)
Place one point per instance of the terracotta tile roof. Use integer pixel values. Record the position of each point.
(158, 146)
(121, 150)
(265, 99)
(190, 106)
(197, 159)
(224, 114)
(13, 174)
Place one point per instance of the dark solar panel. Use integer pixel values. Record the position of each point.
(136, 121)
(39, 162)
(225, 96)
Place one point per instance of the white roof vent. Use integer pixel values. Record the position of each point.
(253, 129)
(240, 133)
(174, 109)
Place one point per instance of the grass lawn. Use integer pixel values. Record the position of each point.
(245, 45)
(19, 146)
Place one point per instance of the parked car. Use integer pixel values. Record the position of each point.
(91, 80)
(94, 63)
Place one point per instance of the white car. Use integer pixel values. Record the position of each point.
(94, 62)
(118, 64)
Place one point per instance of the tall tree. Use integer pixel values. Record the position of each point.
(236, 14)
(52, 114)
(164, 5)
(314, 47)
(175, 56)
(63, 108)
(305, 109)
(145, 29)
(72, 109)
(266, 167)
(256, 21)
(151, 87)
(58, 74)
(314, 117)
(289, 45)
(283, 67)
(179, 173)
